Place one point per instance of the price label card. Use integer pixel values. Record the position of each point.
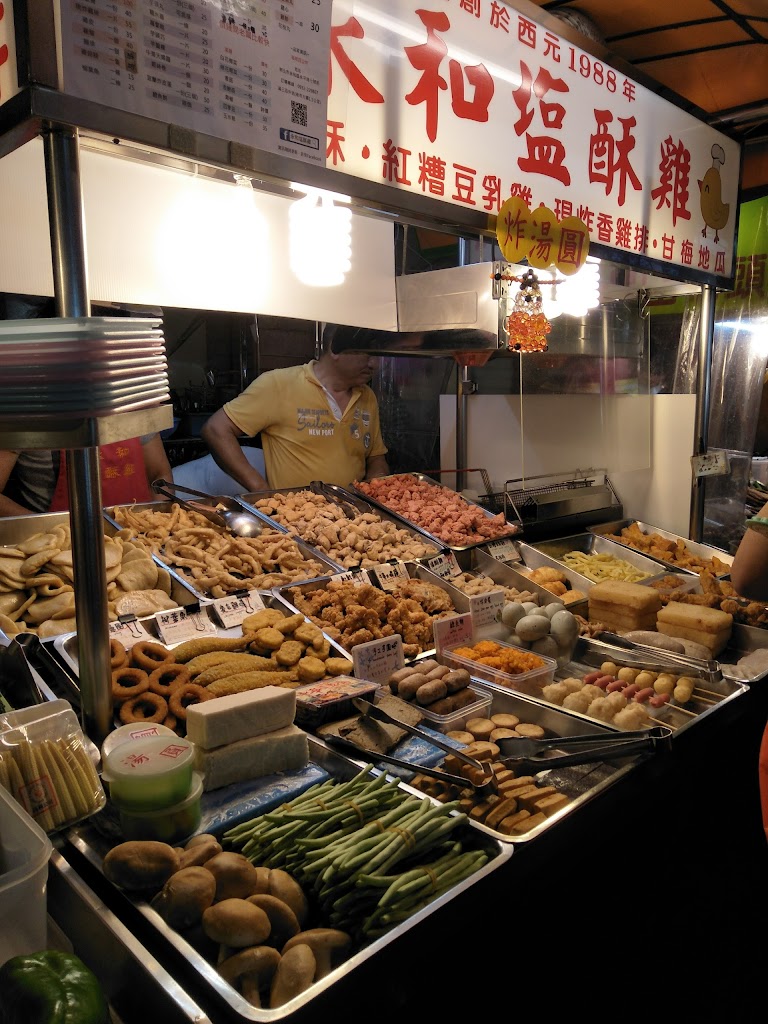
(128, 632)
(353, 576)
(390, 574)
(711, 464)
(378, 659)
(444, 565)
(178, 624)
(456, 629)
(231, 610)
(486, 609)
(504, 550)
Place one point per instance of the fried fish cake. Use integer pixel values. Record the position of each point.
(311, 669)
(290, 653)
(262, 619)
(338, 666)
(269, 639)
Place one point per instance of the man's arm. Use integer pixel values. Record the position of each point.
(749, 571)
(156, 462)
(8, 507)
(377, 465)
(222, 437)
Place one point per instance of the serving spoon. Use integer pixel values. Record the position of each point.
(240, 522)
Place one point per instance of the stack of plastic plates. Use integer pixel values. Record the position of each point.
(86, 366)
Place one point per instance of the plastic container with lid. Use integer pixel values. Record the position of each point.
(170, 825)
(149, 774)
(133, 731)
(480, 708)
(529, 682)
(24, 853)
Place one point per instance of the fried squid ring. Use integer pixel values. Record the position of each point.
(167, 677)
(147, 707)
(148, 655)
(183, 696)
(118, 655)
(170, 721)
(129, 682)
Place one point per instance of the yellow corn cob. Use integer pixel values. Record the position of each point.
(15, 778)
(31, 773)
(55, 809)
(236, 663)
(246, 681)
(59, 783)
(73, 775)
(5, 781)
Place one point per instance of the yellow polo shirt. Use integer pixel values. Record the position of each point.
(301, 437)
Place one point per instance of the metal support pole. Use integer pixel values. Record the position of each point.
(703, 387)
(65, 215)
(464, 388)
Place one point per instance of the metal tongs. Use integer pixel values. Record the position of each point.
(483, 779)
(529, 755)
(341, 498)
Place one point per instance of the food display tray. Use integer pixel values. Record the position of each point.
(415, 571)
(188, 582)
(508, 576)
(65, 645)
(745, 641)
(714, 691)
(350, 504)
(581, 783)
(514, 528)
(93, 846)
(705, 551)
(550, 553)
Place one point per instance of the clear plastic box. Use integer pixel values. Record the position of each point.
(458, 719)
(46, 763)
(529, 682)
(24, 854)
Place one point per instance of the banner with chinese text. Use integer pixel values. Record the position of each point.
(470, 102)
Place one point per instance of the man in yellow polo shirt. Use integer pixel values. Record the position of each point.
(318, 421)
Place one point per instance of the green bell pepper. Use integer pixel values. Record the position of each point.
(50, 987)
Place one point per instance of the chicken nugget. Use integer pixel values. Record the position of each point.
(290, 653)
(337, 666)
(311, 669)
(269, 639)
(308, 633)
(288, 623)
(261, 619)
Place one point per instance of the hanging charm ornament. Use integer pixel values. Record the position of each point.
(527, 327)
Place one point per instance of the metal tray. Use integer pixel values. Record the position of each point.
(514, 528)
(580, 782)
(550, 553)
(704, 551)
(188, 582)
(745, 640)
(415, 571)
(716, 689)
(93, 846)
(342, 499)
(508, 576)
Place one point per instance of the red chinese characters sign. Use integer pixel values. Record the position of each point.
(473, 103)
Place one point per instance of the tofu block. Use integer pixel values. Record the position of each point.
(695, 616)
(213, 723)
(625, 595)
(278, 751)
(618, 617)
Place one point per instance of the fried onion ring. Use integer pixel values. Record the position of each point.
(118, 655)
(129, 682)
(183, 696)
(167, 677)
(147, 707)
(148, 655)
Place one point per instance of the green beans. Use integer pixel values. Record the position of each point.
(345, 843)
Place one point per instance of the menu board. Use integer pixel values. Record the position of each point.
(247, 71)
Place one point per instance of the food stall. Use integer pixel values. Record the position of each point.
(651, 822)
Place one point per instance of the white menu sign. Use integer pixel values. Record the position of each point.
(250, 72)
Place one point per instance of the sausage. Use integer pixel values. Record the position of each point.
(407, 687)
(436, 673)
(431, 691)
(592, 677)
(631, 690)
(456, 680)
(645, 694)
(615, 684)
(659, 700)
(650, 638)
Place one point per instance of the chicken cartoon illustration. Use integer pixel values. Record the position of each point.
(713, 209)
